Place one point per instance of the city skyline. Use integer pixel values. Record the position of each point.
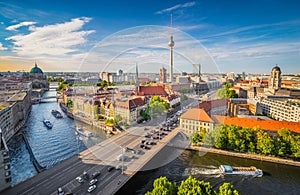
(234, 36)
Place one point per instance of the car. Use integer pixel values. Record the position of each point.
(93, 181)
(143, 141)
(142, 145)
(60, 191)
(79, 179)
(147, 147)
(146, 129)
(85, 175)
(133, 151)
(110, 168)
(91, 188)
(95, 174)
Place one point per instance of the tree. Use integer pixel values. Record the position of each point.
(190, 186)
(194, 186)
(265, 144)
(195, 138)
(227, 189)
(118, 118)
(226, 92)
(162, 185)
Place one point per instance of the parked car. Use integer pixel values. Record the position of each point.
(147, 147)
(96, 174)
(91, 188)
(60, 191)
(110, 168)
(79, 179)
(93, 181)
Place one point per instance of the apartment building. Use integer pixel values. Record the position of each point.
(194, 120)
(280, 108)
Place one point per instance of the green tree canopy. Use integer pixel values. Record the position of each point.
(162, 185)
(190, 186)
(226, 92)
(194, 186)
(227, 189)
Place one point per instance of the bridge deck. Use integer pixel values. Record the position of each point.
(98, 157)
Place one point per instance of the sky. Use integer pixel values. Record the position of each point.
(223, 36)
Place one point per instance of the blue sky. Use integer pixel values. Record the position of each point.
(224, 36)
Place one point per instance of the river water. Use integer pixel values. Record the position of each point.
(277, 178)
(51, 146)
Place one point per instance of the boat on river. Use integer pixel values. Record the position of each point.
(83, 132)
(230, 170)
(56, 114)
(48, 124)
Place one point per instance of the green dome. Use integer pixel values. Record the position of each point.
(36, 70)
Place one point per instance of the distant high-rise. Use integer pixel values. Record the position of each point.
(163, 75)
(136, 75)
(171, 45)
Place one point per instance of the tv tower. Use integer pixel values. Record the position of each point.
(171, 45)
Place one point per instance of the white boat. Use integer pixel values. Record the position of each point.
(48, 124)
(230, 170)
(83, 132)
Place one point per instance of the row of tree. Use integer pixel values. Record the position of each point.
(257, 141)
(162, 186)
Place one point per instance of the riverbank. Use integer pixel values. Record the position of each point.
(246, 155)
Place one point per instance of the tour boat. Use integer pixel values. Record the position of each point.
(48, 124)
(83, 132)
(56, 114)
(230, 170)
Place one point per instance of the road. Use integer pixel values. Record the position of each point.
(97, 158)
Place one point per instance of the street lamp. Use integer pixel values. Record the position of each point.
(122, 157)
(77, 138)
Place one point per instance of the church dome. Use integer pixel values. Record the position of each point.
(36, 69)
(276, 68)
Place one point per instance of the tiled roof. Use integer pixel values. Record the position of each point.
(208, 105)
(132, 103)
(197, 115)
(152, 90)
(272, 125)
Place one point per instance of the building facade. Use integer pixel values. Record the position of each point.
(280, 108)
(195, 120)
(5, 173)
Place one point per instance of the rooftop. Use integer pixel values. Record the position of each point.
(272, 125)
(197, 115)
(208, 105)
(17, 97)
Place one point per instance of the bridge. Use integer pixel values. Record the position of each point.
(45, 99)
(99, 158)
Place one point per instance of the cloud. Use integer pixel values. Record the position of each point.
(283, 24)
(56, 39)
(254, 51)
(16, 26)
(185, 5)
(2, 48)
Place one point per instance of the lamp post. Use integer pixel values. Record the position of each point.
(77, 138)
(122, 157)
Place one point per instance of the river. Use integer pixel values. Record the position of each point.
(51, 146)
(277, 178)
